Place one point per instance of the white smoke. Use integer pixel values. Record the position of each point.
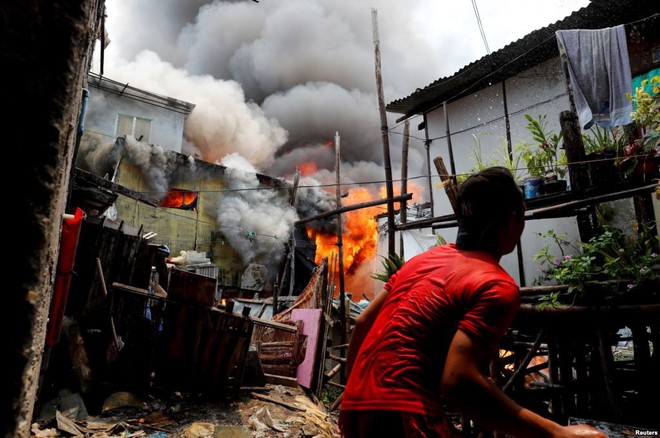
(256, 220)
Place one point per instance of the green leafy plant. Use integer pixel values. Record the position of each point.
(329, 394)
(479, 161)
(513, 162)
(391, 264)
(545, 156)
(600, 141)
(611, 261)
(646, 112)
(500, 157)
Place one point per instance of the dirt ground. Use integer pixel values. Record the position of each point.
(272, 411)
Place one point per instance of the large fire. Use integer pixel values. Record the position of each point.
(177, 198)
(359, 242)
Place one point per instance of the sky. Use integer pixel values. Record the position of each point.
(274, 80)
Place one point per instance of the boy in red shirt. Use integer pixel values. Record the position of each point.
(433, 330)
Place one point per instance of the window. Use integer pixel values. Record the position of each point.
(181, 199)
(138, 127)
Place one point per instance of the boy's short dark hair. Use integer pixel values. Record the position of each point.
(486, 199)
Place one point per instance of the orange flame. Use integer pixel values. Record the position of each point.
(177, 198)
(308, 168)
(359, 240)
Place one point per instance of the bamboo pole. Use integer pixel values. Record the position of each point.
(403, 211)
(450, 186)
(406, 197)
(449, 146)
(385, 137)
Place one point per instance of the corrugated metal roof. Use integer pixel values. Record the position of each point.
(530, 50)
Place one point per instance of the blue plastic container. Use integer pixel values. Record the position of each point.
(532, 188)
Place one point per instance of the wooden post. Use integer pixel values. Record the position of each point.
(276, 293)
(450, 149)
(342, 292)
(427, 146)
(404, 182)
(385, 136)
(450, 186)
(294, 189)
(563, 56)
(606, 363)
(324, 328)
(575, 155)
(292, 265)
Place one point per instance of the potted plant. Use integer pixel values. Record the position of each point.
(500, 157)
(545, 160)
(610, 268)
(603, 151)
(644, 152)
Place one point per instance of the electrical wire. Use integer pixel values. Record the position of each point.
(480, 24)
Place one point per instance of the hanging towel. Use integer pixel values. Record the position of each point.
(599, 71)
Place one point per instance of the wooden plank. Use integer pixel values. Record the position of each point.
(276, 379)
(278, 402)
(114, 187)
(273, 324)
(132, 289)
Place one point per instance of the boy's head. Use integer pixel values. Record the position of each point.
(489, 203)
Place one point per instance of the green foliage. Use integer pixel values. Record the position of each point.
(607, 260)
(391, 264)
(479, 161)
(544, 156)
(600, 140)
(439, 240)
(646, 111)
(329, 394)
(512, 162)
(500, 157)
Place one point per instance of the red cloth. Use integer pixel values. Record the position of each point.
(400, 363)
(65, 261)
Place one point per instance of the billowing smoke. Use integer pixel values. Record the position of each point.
(272, 81)
(97, 154)
(271, 78)
(256, 220)
(158, 166)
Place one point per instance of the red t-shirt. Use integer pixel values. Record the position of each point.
(400, 363)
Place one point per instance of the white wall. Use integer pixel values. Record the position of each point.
(103, 109)
(540, 90)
